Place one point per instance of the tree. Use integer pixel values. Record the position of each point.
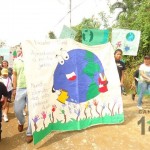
(136, 17)
(51, 35)
(127, 7)
(119, 5)
(103, 17)
(142, 23)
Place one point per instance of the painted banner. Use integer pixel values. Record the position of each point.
(71, 86)
(6, 54)
(126, 40)
(67, 33)
(94, 36)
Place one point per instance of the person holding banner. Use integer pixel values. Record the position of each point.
(144, 80)
(20, 94)
(121, 68)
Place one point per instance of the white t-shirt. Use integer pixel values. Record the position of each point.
(7, 82)
(146, 70)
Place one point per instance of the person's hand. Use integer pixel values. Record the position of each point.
(14, 93)
(121, 84)
(137, 79)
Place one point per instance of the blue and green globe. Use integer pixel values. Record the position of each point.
(79, 75)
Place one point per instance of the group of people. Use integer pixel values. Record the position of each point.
(14, 84)
(6, 78)
(141, 76)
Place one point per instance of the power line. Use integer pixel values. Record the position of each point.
(69, 12)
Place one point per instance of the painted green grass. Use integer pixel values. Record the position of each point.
(76, 125)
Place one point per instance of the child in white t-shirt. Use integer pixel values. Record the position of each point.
(8, 83)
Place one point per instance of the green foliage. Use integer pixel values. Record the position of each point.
(136, 17)
(103, 17)
(52, 35)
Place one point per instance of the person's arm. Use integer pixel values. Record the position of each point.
(123, 73)
(142, 73)
(137, 79)
(14, 75)
(136, 75)
(4, 94)
(14, 80)
(122, 77)
(4, 100)
(14, 83)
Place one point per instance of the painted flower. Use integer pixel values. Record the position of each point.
(86, 105)
(43, 115)
(118, 44)
(35, 119)
(53, 108)
(95, 102)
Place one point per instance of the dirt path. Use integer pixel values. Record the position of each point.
(126, 136)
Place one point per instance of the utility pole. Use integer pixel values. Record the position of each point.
(70, 13)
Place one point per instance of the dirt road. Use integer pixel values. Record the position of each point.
(126, 136)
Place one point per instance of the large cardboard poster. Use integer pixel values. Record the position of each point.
(126, 40)
(67, 33)
(95, 36)
(6, 54)
(71, 86)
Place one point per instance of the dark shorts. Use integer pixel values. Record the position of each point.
(0, 112)
(0, 117)
(9, 96)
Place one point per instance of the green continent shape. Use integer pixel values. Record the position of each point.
(91, 68)
(92, 91)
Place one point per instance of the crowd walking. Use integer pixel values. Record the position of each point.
(13, 84)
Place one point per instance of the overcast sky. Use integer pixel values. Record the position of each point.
(33, 19)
